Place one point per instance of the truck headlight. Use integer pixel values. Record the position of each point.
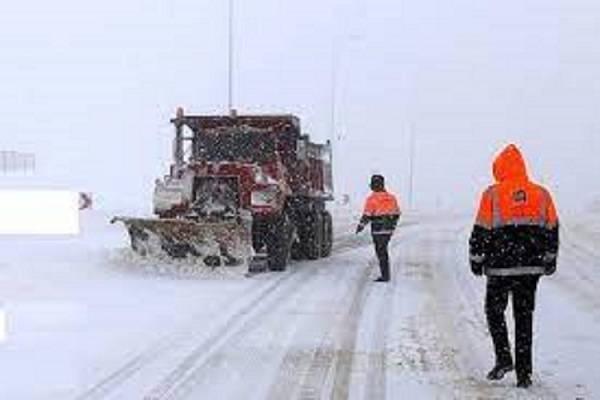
(265, 197)
(167, 195)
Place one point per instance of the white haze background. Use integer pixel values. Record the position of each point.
(90, 86)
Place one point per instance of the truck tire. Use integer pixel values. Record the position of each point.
(327, 234)
(314, 242)
(298, 251)
(300, 244)
(278, 244)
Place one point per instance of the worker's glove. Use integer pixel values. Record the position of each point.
(477, 264)
(549, 261)
(360, 228)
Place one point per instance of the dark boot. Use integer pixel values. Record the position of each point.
(381, 279)
(499, 371)
(524, 382)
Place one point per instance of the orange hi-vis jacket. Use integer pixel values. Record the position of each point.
(382, 211)
(516, 230)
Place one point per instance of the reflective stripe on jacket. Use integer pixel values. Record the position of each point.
(516, 229)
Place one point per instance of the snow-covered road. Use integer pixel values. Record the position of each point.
(87, 322)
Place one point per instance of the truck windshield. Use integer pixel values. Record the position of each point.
(226, 146)
(249, 147)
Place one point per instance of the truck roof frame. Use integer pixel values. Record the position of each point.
(199, 123)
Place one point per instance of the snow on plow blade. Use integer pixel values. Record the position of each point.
(214, 243)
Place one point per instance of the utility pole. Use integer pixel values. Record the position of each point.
(230, 58)
(411, 173)
(333, 94)
(334, 138)
(339, 45)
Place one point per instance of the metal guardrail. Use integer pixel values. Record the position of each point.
(14, 162)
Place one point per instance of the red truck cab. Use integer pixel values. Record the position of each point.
(253, 165)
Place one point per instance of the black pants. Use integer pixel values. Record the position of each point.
(381, 249)
(523, 290)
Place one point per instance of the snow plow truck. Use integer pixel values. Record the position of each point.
(241, 188)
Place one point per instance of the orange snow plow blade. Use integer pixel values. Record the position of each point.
(226, 242)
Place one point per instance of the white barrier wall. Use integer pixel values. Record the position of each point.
(2, 324)
(39, 212)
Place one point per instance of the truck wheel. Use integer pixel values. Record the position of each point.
(278, 244)
(300, 243)
(298, 248)
(327, 234)
(315, 236)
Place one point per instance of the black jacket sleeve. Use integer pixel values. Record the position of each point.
(479, 244)
(552, 245)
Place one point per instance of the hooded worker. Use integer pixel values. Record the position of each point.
(382, 212)
(514, 242)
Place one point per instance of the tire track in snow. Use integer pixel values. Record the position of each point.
(183, 379)
(118, 377)
(425, 346)
(376, 382)
(375, 385)
(305, 375)
(344, 356)
(325, 370)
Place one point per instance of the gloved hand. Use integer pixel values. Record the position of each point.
(359, 228)
(550, 270)
(549, 261)
(477, 264)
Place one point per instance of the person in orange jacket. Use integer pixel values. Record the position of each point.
(382, 212)
(514, 242)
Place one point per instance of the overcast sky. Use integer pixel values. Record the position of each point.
(90, 86)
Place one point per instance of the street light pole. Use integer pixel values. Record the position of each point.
(335, 62)
(230, 58)
(339, 44)
(338, 47)
(411, 172)
(333, 94)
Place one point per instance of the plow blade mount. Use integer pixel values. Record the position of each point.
(215, 243)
